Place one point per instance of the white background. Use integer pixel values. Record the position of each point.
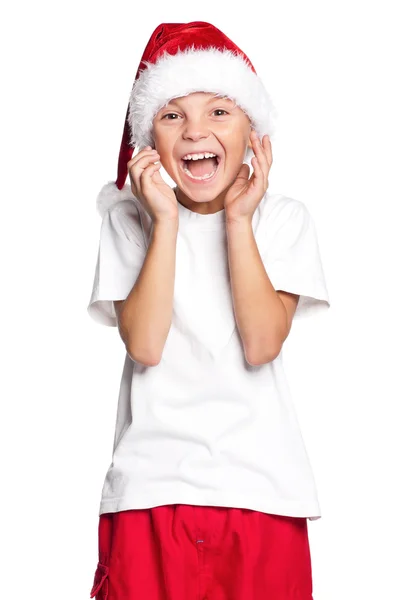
(67, 71)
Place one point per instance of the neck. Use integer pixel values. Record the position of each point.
(203, 208)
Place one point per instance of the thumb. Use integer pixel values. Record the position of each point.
(243, 172)
(157, 178)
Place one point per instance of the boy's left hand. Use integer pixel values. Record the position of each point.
(245, 194)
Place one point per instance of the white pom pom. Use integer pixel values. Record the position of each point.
(110, 194)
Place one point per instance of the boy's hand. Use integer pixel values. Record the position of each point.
(148, 186)
(245, 194)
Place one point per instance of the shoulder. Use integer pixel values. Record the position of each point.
(278, 209)
(124, 216)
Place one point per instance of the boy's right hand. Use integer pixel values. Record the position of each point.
(148, 186)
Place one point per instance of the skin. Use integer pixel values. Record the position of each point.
(199, 121)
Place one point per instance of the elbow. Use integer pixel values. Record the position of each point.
(137, 352)
(263, 354)
(144, 358)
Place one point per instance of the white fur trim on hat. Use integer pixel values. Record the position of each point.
(213, 70)
(110, 194)
(210, 70)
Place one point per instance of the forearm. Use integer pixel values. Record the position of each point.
(259, 312)
(146, 315)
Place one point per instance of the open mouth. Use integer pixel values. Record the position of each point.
(201, 170)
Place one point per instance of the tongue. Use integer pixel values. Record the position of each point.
(202, 166)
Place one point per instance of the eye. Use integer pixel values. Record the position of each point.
(168, 115)
(175, 114)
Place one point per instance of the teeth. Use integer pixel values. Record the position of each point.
(203, 177)
(198, 156)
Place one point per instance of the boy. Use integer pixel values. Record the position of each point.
(210, 486)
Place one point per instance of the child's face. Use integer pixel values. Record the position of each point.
(198, 123)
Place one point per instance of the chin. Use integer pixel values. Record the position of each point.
(203, 196)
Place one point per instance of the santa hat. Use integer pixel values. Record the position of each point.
(179, 59)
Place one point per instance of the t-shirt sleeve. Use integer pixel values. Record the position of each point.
(292, 259)
(121, 255)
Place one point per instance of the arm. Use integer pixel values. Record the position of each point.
(144, 317)
(263, 316)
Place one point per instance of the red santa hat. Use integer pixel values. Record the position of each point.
(179, 59)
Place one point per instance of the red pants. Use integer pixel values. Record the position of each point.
(185, 552)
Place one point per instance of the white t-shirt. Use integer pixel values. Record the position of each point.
(203, 426)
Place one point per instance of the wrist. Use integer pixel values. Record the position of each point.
(166, 222)
(243, 222)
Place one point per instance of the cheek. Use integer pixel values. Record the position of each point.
(235, 139)
(168, 165)
(236, 151)
(163, 146)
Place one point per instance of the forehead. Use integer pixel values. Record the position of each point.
(200, 98)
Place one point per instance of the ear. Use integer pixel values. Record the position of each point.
(249, 142)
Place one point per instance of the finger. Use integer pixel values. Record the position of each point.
(258, 175)
(267, 149)
(146, 177)
(243, 172)
(138, 167)
(260, 155)
(133, 159)
(148, 151)
(157, 178)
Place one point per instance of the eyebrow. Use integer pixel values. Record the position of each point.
(176, 101)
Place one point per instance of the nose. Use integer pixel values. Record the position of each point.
(195, 130)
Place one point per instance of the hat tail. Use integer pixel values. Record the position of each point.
(114, 191)
(110, 194)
